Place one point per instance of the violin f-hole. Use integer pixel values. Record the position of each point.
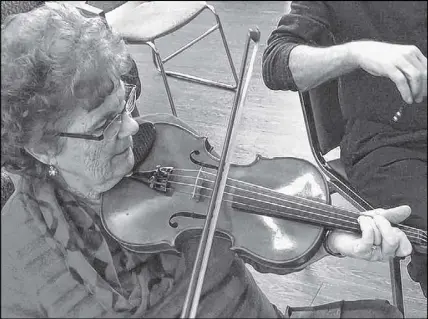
(202, 164)
(184, 214)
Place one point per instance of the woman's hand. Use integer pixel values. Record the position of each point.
(378, 241)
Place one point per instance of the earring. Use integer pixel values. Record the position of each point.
(52, 171)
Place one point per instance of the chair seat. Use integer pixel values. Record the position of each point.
(155, 19)
(338, 166)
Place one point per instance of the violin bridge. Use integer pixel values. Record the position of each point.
(199, 186)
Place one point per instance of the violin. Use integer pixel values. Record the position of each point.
(274, 210)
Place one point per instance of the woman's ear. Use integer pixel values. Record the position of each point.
(42, 155)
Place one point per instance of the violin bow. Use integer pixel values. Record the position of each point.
(191, 302)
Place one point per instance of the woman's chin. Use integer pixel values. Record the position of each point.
(124, 162)
(129, 159)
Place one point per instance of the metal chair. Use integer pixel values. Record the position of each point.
(325, 128)
(143, 22)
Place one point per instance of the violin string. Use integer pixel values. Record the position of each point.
(417, 234)
(251, 185)
(308, 200)
(261, 201)
(328, 207)
(354, 223)
(408, 228)
(410, 236)
(270, 196)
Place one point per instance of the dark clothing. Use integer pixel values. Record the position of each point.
(324, 23)
(385, 161)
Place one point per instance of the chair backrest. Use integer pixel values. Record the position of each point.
(323, 116)
(325, 126)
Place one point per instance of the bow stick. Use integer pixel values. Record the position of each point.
(196, 281)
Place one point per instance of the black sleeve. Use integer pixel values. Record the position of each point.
(307, 23)
(417, 269)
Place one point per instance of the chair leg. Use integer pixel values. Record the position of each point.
(159, 65)
(397, 289)
(195, 79)
(155, 60)
(226, 46)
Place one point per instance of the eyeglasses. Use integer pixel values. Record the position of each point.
(112, 127)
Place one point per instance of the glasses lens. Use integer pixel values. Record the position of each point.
(113, 128)
(131, 99)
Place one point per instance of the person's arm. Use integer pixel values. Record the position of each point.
(405, 65)
(308, 24)
(294, 59)
(312, 66)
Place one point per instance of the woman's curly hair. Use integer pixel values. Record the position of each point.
(53, 60)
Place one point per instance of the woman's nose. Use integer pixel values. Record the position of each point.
(129, 126)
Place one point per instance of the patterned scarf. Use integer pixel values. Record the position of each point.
(126, 284)
(134, 285)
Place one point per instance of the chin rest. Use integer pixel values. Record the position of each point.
(143, 142)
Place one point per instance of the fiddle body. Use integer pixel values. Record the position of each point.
(274, 210)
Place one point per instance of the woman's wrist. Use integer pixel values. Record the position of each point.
(329, 247)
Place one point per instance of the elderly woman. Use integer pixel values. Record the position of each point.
(66, 137)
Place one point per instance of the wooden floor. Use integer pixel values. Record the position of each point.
(272, 125)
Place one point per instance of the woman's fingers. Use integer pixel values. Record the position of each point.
(390, 241)
(405, 247)
(394, 215)
(394, 241)
(379, 239)
(365, 244)
(377, 234)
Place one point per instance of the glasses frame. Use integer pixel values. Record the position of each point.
(127, 109)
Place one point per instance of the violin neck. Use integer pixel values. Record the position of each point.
(278, 205)
(297, 208)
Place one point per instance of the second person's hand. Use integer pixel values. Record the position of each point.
(405, 65)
